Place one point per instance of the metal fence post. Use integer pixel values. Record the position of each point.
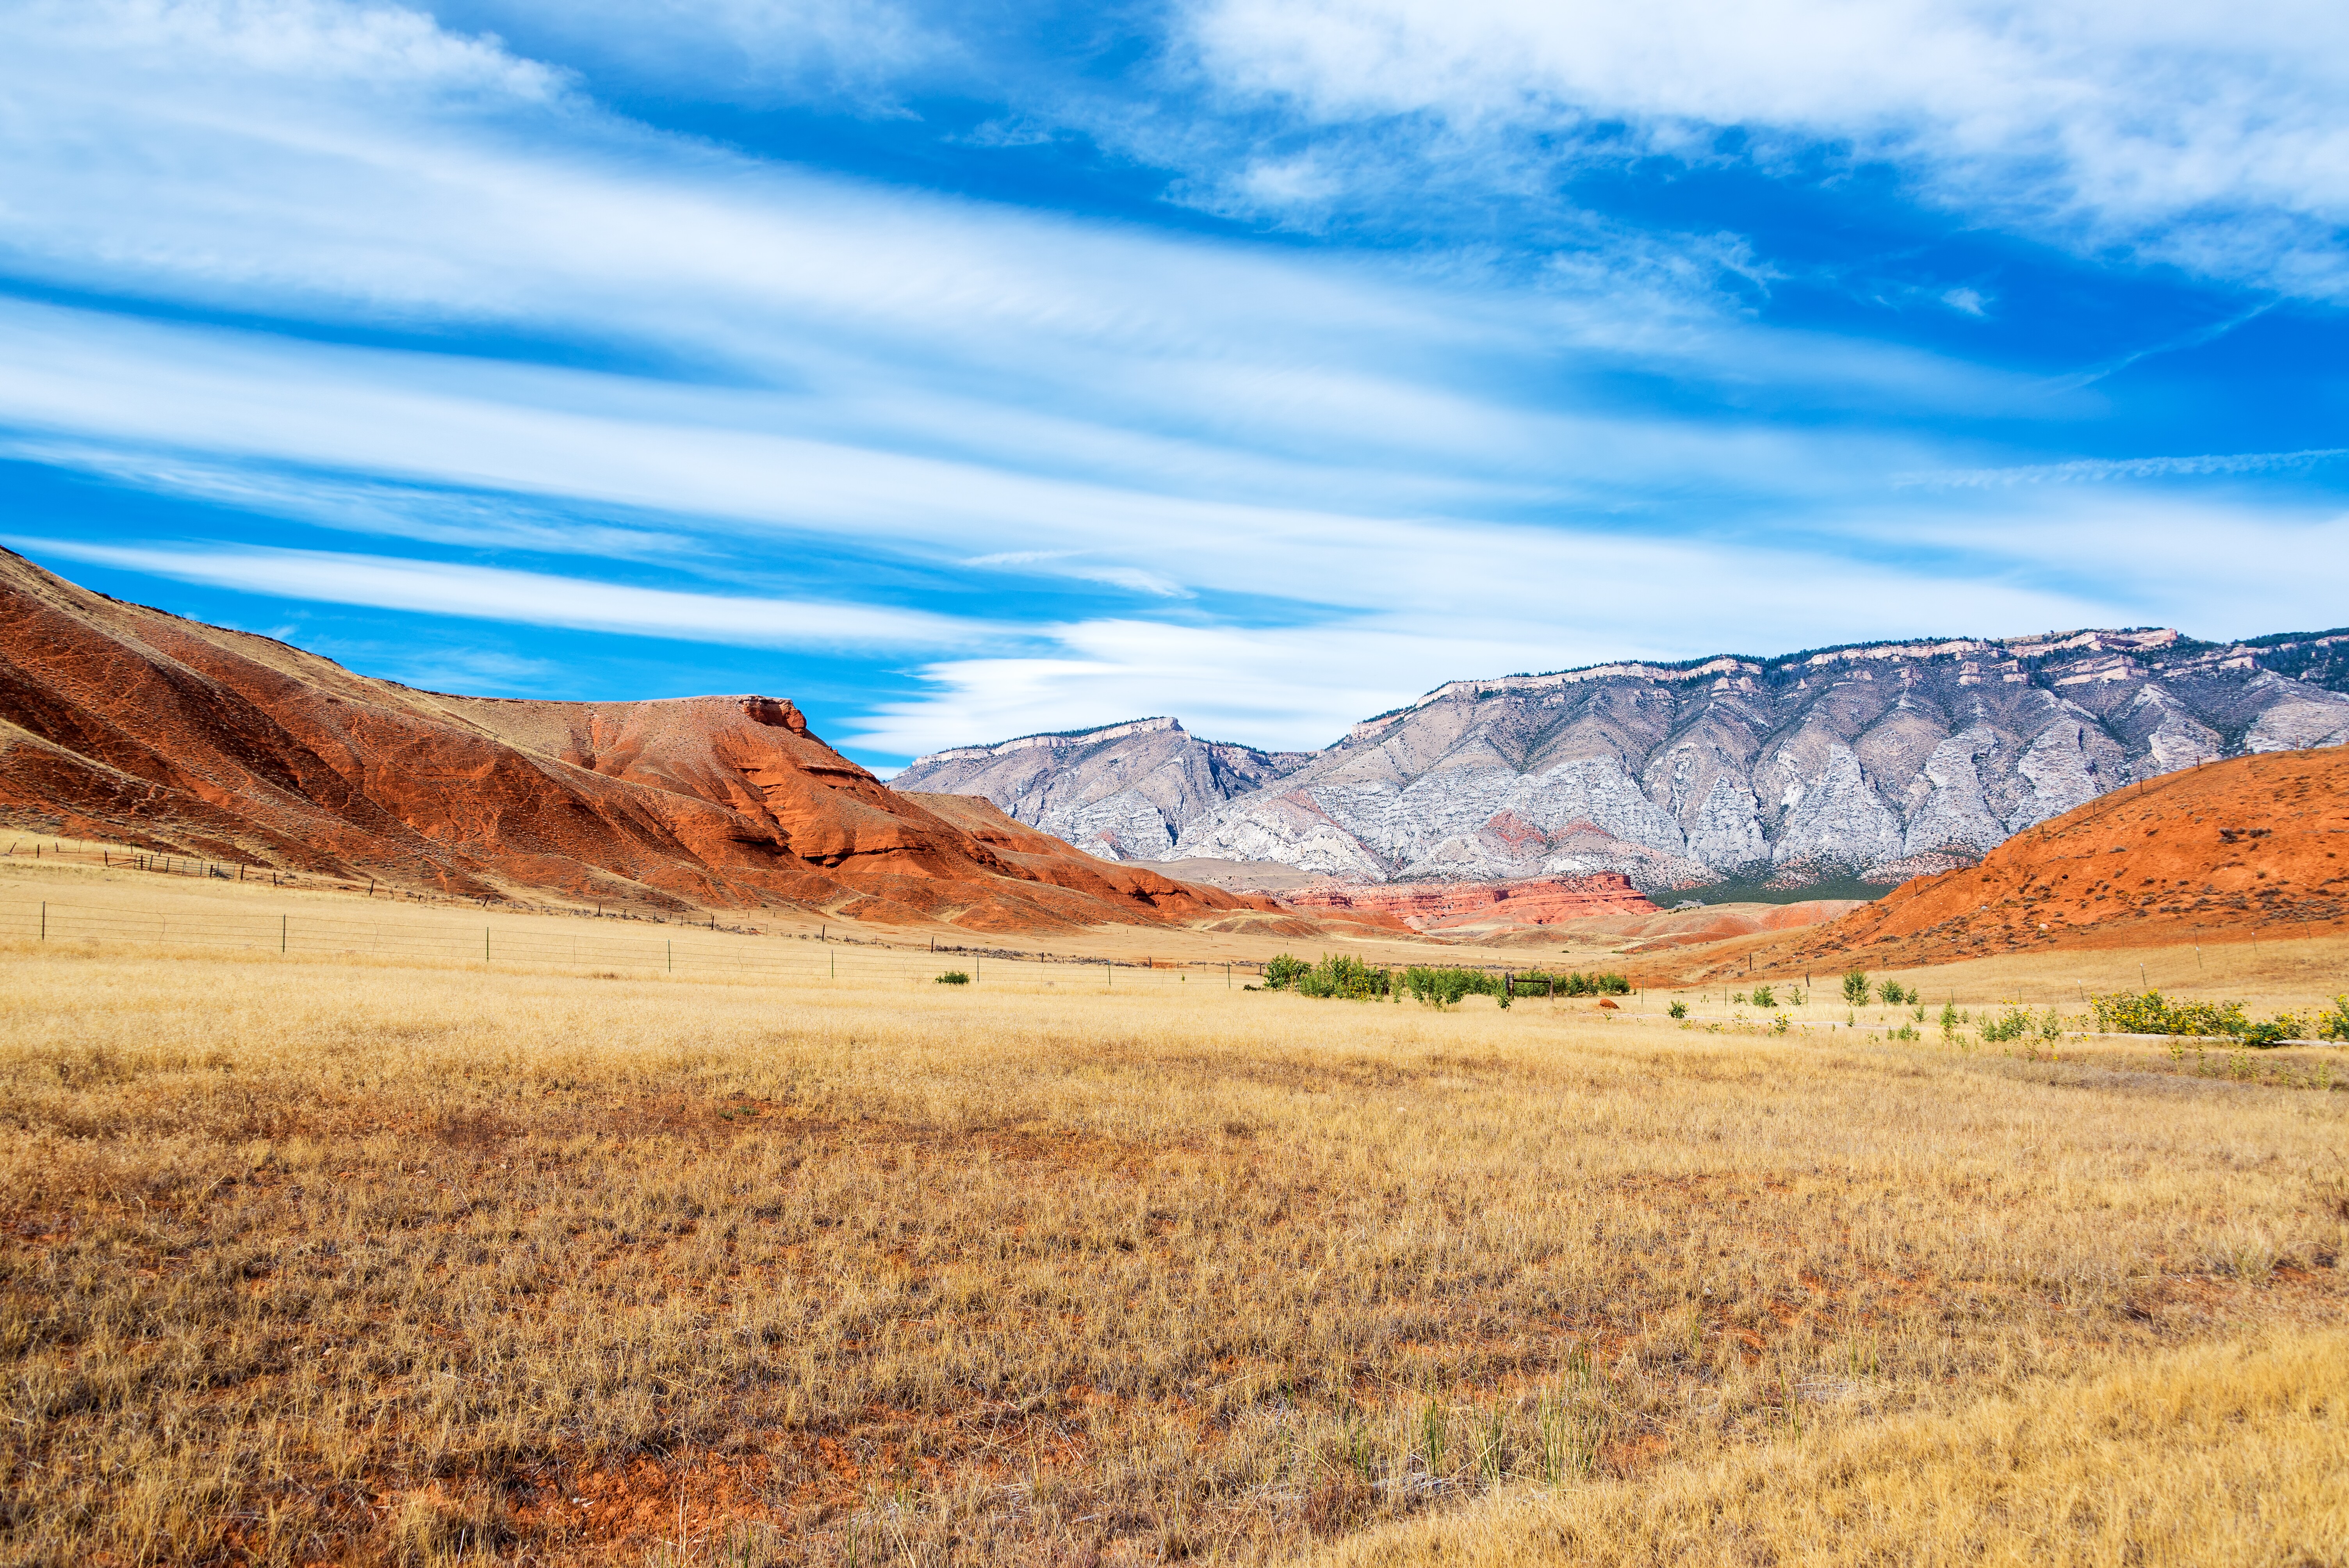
(45, 920)
(671, 945)
(282, 920)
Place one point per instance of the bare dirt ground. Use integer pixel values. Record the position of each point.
(388, 1253)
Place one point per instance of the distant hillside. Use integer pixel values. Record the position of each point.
(1123, 792)
(126, 723)
(1879, 761)
(2249, 848)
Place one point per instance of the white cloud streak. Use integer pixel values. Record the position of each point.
(2099, 470)
(2206, 135)
(1416, 471)
(529, 598)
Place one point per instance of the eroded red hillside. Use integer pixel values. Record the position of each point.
(118, 721)
(2251, 847)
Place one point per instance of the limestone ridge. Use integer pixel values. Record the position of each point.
(1883, 761)
(1122, 791)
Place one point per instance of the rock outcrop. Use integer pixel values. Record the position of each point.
(1124, 791)
(1883, 761)
(122, 722)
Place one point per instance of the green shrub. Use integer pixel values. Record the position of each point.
(1599, 982)
(1337, 974)
(1855, 988)
(2151, 1012)
(953, 977)
(1895, 994)
(1765, 997)
(2011, 1024)
(1340, 975)
(1282, 972)
(2334, 1024)
(1678, 1009)
(1443, 987)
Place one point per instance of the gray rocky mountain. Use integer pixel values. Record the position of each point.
(1124, 791)
(1882, 760)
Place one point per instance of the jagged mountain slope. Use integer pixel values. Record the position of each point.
(1123, 792)
(118, 721)
(1886, 761)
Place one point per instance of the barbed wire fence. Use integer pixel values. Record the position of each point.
(699, 948)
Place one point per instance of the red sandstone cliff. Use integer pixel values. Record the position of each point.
(118, 721)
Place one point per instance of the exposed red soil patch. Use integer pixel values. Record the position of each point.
(1454, 906)
(122, 722)
(2249, 848)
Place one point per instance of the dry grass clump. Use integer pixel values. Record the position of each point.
(314, 1262)
(2214, 1457)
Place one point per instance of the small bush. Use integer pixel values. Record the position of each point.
(2151, 1012)
(1678, 1009)
(1339, 975)
(1336, 975)
(1895, 994)
(2011, 1024)
(1443, 987)
(953, 977)
(1599, 982)
(1855, 988)
(2332, 1025)
(1283, 971)
(1764, 996)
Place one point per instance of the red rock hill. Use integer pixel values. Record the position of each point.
(122, 722)
(2250, 847)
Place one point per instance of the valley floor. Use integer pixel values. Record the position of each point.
(354, 1254)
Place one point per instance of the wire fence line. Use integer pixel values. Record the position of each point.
(689, 954)
(838, 957)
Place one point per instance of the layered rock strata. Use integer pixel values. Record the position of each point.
(1883, 761)
(1444, 906)
(1123, 792)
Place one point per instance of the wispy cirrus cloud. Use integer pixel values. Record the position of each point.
(2101, 470)
(527, 598)
(2211, 138)
(363, 267)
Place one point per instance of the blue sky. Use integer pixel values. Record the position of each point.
(961, 372)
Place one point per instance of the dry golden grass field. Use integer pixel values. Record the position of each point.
(391, 1255)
